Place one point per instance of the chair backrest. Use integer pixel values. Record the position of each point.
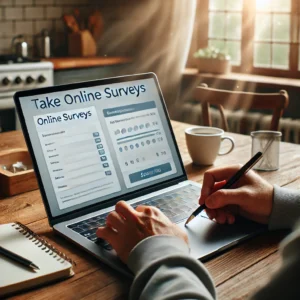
(275, 102)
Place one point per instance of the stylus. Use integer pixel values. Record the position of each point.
(242, 171)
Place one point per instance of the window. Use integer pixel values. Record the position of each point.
(272, 34)
(225, 27)
(261, 36)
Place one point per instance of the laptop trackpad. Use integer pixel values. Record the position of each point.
(206, 237)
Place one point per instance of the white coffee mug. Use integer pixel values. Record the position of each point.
(204, 144)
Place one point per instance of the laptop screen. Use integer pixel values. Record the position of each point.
(99, 140)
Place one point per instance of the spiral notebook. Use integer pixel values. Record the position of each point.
(53, 264)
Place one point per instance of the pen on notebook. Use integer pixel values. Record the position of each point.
(242, 171)
(17, 258)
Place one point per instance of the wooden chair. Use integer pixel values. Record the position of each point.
(223, 99)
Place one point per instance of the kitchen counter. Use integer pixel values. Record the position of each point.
(64, 63)
(78, 69)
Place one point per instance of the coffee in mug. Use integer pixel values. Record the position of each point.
(204, 143)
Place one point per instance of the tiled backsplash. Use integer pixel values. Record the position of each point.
(29, 17)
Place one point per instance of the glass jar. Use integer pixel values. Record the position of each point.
(267, 142)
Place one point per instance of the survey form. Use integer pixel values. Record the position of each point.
(141, 145)
(77, 156)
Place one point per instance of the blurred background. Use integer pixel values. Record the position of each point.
(257, 39)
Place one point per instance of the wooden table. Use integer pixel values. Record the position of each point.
(237, 273)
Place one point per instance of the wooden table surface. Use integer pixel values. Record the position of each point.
(237, 273)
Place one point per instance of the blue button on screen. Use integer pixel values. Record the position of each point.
(150, 172)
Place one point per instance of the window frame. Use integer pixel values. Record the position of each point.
(248, 33)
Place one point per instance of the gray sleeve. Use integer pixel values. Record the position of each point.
(285, 284)
(164, 270)
(286, 208)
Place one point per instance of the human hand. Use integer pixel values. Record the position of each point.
(126, 227)
(251, 197)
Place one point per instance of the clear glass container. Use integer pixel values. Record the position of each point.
(267, 142)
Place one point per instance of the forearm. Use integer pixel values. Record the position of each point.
(164, 270)
(286, 208)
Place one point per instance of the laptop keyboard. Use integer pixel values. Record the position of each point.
(177, 205)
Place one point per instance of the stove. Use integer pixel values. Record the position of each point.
(13, 59)
(18, 74)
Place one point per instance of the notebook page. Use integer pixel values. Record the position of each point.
(13, 272)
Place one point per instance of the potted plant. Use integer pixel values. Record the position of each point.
(213, 60)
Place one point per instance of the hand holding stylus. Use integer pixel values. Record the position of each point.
(251, 197)
(230, 182)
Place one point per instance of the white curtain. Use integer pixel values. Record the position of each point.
(157, 33)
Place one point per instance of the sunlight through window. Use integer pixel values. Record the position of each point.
(272, 34)
(261, 36)
(225, 27)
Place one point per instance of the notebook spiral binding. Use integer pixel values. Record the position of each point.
(41, 242)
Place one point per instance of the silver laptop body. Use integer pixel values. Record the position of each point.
(97, 142)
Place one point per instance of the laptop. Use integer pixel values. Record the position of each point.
(97, 142)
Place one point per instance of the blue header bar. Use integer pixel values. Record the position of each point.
(122, 110)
